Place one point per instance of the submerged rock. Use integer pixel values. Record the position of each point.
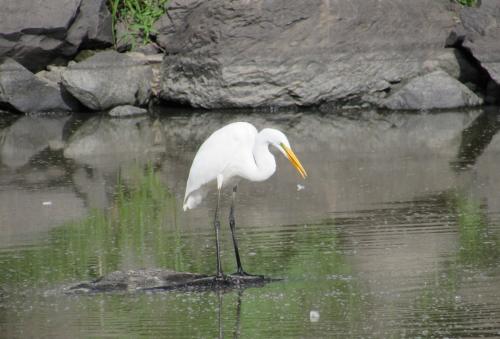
(436, 90)
(22, 90)
(36, 33)
(282, 52)
(158, 279)
(109, 79)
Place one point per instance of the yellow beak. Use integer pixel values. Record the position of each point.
(294, 160)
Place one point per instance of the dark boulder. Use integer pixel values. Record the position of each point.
(479, 33)
(22, 90)
(109, 79)
(290, 52)
(35, 33)
(92, 27)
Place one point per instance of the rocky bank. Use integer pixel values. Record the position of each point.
(391, 54)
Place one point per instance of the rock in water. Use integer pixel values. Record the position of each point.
(436, 90)
(293, 52)
(163, 280)
(22, 90)
(109, 79)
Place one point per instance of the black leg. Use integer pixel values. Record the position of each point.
(220, 275)
(232, 225)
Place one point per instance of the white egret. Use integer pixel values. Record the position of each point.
(236, 150)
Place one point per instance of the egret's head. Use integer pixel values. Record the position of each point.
(279, 140)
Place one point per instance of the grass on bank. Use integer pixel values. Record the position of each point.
(469, 3)
(140, 15)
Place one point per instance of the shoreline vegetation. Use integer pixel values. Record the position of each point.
(469, 3)
(139, 17)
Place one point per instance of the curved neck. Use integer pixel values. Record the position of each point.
(264, 160)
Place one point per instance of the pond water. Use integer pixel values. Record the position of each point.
(395, 233)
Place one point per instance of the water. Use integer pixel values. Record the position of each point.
(395, 233)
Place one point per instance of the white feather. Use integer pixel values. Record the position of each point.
(231, 144)
(235, 150)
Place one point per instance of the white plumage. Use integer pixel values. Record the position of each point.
(236, 149)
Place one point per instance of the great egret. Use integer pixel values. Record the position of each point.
(235, 150)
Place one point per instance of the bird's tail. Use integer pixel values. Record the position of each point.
(192, 201)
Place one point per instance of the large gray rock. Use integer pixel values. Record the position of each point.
(479, 33)
(35, 32)
(291, 52)
(436, 90)
(109, 79)
(22, 90)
